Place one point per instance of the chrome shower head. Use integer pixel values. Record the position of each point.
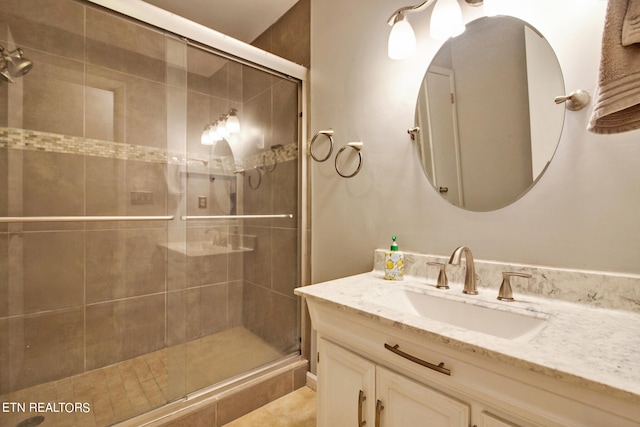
(19, 66)
(13, 64)
(4, 72)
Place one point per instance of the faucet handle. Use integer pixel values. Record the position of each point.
(443, 282)
(505, 293)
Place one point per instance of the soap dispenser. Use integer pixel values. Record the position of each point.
(394, 262)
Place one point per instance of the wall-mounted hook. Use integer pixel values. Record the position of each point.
(574, 101)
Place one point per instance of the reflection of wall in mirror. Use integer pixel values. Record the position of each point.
(493, 114)
(544, 86)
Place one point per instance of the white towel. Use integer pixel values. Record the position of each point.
(617, 100)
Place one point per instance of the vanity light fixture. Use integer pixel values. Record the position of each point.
(226, 125)
(446, 21)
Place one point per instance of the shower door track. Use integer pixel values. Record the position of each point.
(23, 219)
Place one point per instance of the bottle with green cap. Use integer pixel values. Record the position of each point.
(394, 262)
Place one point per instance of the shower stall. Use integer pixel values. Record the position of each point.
(143, 259)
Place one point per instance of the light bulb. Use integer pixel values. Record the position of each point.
(402, 40)
(446, 20)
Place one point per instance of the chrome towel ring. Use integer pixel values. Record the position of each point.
(251, 184)
(328, 134)
(357, 146)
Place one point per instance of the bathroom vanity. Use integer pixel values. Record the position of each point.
(407, 354)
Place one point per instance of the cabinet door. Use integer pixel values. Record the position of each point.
(410, 404)
(346, 387)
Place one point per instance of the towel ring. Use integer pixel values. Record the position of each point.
(357, 146)
(264, 163)
(255, 187)
(328, 134)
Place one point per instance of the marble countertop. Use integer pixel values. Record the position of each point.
(591, 347)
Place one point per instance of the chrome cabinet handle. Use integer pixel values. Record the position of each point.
(361, 399)
(439, 367)
(379, 409)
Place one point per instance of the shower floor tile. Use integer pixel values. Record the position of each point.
(118, 392)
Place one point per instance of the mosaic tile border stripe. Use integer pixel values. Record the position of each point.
(31, 140)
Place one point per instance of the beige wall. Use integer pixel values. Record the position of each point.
(582, 213)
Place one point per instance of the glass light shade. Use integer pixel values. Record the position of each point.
(205, 138)
(213, 134)
(222, 130)
(233, 124)
(446, 20)
(402, 40)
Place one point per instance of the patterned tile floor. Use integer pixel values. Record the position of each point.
(297, 409)
(121, 391)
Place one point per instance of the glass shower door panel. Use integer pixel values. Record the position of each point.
(241, 311)
(84, 306)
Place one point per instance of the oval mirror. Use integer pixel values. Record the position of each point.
(488, 123)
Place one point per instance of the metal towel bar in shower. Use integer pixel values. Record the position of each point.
(24, 219)
(189, 217)
(83, 218)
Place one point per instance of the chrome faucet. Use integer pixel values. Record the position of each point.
(470, 273)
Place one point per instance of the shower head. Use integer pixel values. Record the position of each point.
(4, 72)
(13, 65)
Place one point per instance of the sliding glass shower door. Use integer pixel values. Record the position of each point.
(236, 267)
(137, 264)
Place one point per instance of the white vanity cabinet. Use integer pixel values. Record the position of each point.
(354, 391)
(422, 380)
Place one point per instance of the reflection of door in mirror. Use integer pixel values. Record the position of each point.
(443, 132)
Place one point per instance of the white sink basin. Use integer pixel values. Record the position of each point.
(496, 322)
